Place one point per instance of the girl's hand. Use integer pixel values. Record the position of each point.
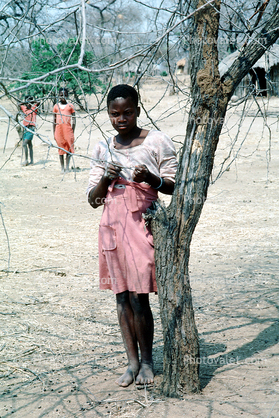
(141, 173)
(112, 172)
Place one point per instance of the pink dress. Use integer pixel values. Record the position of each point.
(64, 134)
(126, 251)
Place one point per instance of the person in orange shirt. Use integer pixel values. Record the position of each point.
(64, 123)
(29, 108)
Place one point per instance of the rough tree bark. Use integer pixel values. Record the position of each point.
(173, 227)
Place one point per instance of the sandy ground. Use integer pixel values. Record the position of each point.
(60, 346)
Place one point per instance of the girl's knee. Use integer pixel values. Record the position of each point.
(139, 302)
(122, 298)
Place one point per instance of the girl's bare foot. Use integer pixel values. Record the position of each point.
(127, 378)
(146, 374)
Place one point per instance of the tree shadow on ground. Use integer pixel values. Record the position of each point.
(264, 340)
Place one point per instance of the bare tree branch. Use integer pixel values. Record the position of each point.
(250, 54)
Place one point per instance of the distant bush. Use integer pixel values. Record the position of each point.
(163, 74)
(45, 60)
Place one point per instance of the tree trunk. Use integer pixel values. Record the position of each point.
(173, 227)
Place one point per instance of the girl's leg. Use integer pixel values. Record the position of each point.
(126, 321)
(25, 152)
(144, 328)
(61, 158)
(68, 157)
(31, 151)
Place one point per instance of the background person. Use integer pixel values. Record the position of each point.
(30, 110)
(64, 123)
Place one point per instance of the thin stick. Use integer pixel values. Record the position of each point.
(7, 236)
(7, 135)
(30, 271)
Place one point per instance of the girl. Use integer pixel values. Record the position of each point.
(126, 172)
(64, 123)
(30, 109)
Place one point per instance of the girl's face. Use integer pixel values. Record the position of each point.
(63, 97)
(123, 114)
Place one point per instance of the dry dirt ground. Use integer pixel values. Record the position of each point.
(60, 346)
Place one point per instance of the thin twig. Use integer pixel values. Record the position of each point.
(7, 236)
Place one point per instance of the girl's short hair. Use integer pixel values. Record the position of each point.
(124, 91)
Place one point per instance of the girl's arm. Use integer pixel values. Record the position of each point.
(165, 186)
(142, 173)
(54, 123)
(73, 121)
(97, 195)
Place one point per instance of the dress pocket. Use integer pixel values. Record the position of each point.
(108, 237)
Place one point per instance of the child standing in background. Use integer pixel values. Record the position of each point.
(127, 170)
(64, 123)
(30, 109)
